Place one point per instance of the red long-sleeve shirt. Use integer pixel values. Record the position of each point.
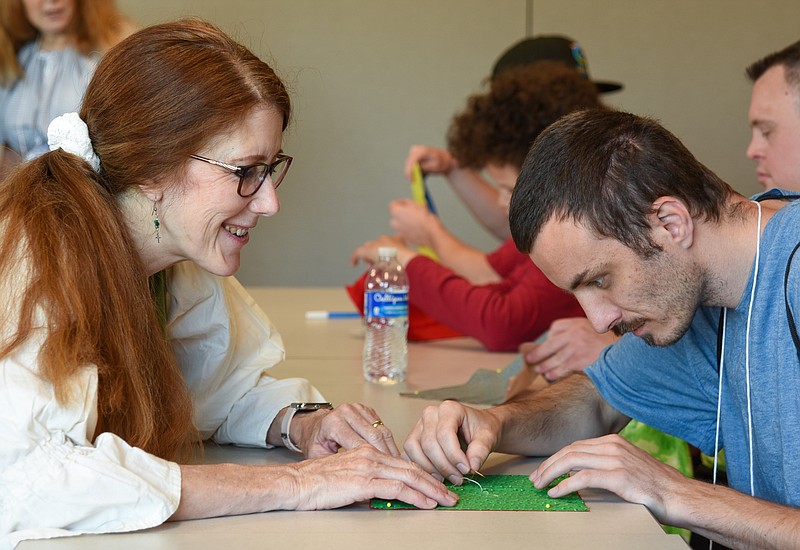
(501, 315)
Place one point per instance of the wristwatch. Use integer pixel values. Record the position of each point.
(292, 410)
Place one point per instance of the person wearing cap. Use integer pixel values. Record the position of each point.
(500, 298)
(774, 117)
(571, 343)
(470, 186)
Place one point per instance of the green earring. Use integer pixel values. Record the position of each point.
(155, 221)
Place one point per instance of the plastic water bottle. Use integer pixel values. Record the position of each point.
(386, 316)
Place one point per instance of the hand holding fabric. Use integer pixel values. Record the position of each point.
(435, 442)
(413, 222)
(613, 463)
(432, 160)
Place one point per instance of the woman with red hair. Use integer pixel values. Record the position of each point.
(125, 340)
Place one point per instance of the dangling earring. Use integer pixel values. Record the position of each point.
(155, 221)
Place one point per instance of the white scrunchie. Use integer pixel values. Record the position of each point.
(70, 133)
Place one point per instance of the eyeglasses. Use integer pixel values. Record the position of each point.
(252, 176)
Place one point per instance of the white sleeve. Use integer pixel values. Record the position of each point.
(224, 345)
(54, 479)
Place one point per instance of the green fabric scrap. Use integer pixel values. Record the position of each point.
(499, 492)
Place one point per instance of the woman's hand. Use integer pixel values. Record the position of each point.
(332, 481)
(348, 426)
(363, 473)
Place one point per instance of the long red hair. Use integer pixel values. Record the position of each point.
(158, 96)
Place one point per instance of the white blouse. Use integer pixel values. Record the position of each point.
(53, 84)
(56, 481)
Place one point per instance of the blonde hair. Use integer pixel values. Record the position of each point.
(97, 26)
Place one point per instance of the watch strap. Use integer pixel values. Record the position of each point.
(286, 421)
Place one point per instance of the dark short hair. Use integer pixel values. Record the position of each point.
(788, 57)
(499, 126)
(605, 169)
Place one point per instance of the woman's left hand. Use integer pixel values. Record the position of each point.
(324, 432)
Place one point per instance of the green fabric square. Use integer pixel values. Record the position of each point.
(499, 492)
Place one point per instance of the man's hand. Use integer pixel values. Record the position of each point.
(613, 463)
(435, 443)
(571, 345)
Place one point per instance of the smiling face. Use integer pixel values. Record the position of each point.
(619, 290)
(204, 219)
(52, 18)
(775, 121)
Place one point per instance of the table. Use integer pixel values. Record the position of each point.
(328, 352)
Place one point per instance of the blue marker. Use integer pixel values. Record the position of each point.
(321, 314)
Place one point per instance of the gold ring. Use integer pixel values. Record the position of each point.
(377, 423)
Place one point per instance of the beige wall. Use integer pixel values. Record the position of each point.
(370, 77)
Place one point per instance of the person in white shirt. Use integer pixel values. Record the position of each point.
(109, 383)
(48, 51)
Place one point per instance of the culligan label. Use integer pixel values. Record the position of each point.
(386, 304)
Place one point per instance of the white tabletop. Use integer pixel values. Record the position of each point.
(328, 353)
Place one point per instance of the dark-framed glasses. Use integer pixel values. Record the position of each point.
(252, 176)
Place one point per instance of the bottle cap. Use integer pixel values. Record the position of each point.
(387, 251)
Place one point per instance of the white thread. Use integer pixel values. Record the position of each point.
(747, 370)
(747, 350)
(719, 394)
(746, 365)
(70, 133)
(475, 482)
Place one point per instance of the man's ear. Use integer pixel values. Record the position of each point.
(671, 217)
